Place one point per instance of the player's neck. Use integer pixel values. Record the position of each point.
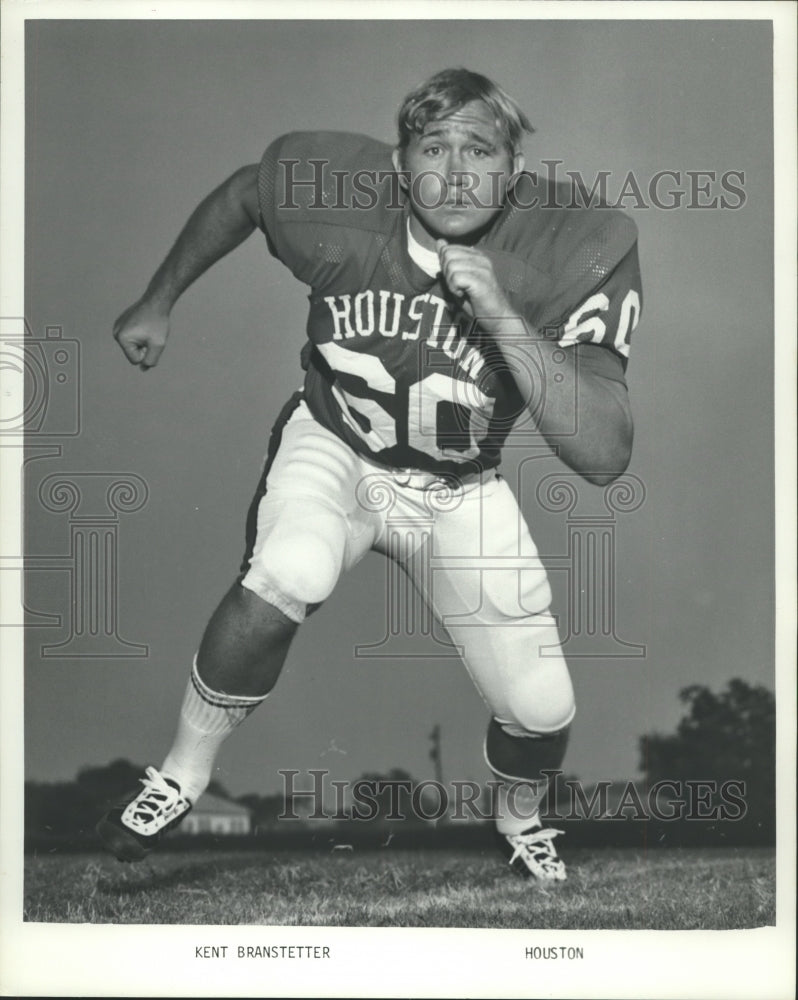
(427, 239)
(427, 260)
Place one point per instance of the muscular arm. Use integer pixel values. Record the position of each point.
(601, 446)
(220, 223)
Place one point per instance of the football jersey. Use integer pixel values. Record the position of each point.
(394, 365)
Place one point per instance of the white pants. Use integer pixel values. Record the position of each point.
(325, 507)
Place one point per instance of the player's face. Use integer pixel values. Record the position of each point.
(457, 171)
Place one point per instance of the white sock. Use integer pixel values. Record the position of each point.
(207, 718)
(518, 805)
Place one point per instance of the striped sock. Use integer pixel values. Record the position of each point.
(207, 718)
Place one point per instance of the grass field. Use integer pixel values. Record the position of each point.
(704, 888)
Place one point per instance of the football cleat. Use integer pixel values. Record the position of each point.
(134, 827)
(533, 853)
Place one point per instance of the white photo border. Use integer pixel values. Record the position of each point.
(72, 960)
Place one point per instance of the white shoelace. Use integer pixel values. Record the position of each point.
(538, 842)
(157, 794)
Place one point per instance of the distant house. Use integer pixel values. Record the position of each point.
(212, 814)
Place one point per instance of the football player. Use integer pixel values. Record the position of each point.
(450, 293)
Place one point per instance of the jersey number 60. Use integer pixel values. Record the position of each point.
(423, 399)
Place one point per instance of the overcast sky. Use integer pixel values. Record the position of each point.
(130, 124)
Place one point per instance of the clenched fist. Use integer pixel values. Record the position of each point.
(141, 332)
(469, 275)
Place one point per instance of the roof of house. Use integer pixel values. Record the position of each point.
(208, 803)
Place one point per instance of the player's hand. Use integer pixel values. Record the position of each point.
(469, 275)
(141, 332)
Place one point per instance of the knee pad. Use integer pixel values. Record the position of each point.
(540, 699)
(536, 690)
(521, 755)
(294, 572)
(304, 567)
(298, 559)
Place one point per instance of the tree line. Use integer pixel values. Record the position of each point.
(722, 737)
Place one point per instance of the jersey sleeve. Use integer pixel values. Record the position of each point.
(310, 208)
(573, 274)
(599, 361)
(608, 314)
(597, 295)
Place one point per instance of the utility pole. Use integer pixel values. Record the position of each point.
(435, 752)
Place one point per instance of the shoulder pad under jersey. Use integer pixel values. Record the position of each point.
(323, 196)
(553, 253)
